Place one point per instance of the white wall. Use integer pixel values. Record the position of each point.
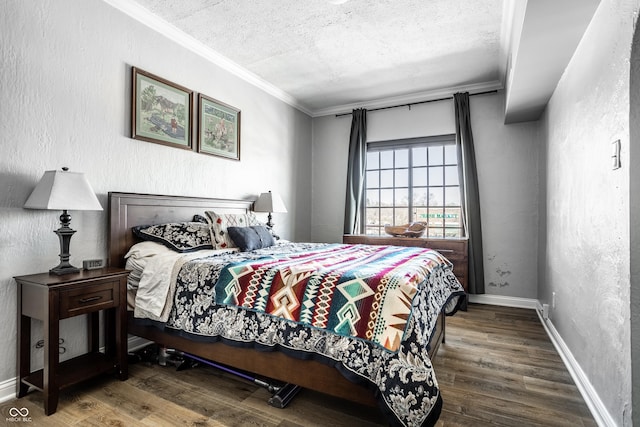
(634, 222)
(65, 83)
(507, 172)
(584, 256)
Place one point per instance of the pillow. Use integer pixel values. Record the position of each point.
(145, 249)
(252, 237)
(200, 218)
(220, 223)
(178, 236)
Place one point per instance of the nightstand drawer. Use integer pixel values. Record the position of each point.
(89, 299)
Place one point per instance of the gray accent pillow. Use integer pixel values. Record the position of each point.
(250, 238)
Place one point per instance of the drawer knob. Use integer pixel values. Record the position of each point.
(90, 299)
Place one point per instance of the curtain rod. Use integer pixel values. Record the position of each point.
(416, 103)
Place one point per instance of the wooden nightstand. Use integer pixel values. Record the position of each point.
(50, 298)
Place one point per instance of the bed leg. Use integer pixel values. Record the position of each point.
(444, 327)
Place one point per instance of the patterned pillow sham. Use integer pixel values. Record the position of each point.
(178, 236)
(251, 238)
(220, 223)
(200, 218)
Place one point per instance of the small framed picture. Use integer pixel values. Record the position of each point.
(218, 128)
(161, 111)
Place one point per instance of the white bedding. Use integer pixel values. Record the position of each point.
(153, 271)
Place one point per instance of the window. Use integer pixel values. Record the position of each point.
(413, 180)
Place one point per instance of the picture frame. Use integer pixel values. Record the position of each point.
(218, 128)
(161, 111)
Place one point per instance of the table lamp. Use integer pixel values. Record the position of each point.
(63, 190)
(269, 202)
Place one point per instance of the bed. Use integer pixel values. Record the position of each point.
(314, 371)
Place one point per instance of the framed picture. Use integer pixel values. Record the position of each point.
(161, 111)
(218, 128)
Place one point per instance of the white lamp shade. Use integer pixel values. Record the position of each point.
(63, 190)
(269, 202)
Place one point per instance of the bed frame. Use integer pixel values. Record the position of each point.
(126, 210)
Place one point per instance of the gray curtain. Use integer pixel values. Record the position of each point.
(469, 191)
(354, 202)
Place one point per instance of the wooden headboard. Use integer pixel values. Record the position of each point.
(126, 210)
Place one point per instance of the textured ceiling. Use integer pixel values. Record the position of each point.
(326, 54)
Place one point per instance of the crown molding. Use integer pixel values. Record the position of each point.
(410, 98)
(145, 17)
(512, 9)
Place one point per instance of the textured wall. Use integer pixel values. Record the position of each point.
(634, 211)
(506, 156)
(507, 174)
(585, 259)
(65, 83)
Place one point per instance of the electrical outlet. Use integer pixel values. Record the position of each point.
(545, 311)
(553, 300)
(92, 264)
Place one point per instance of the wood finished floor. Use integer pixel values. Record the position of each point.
(497, 367)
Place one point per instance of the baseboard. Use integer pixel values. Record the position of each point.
(589, 394)
(8, 387)
(504, 301)
(7, 390)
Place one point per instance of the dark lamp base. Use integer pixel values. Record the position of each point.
(64, 269)
(64, 233)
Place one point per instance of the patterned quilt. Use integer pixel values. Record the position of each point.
(404, 379)
(352, 290)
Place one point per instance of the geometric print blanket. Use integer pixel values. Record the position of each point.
(405, 382)
(358, 291)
